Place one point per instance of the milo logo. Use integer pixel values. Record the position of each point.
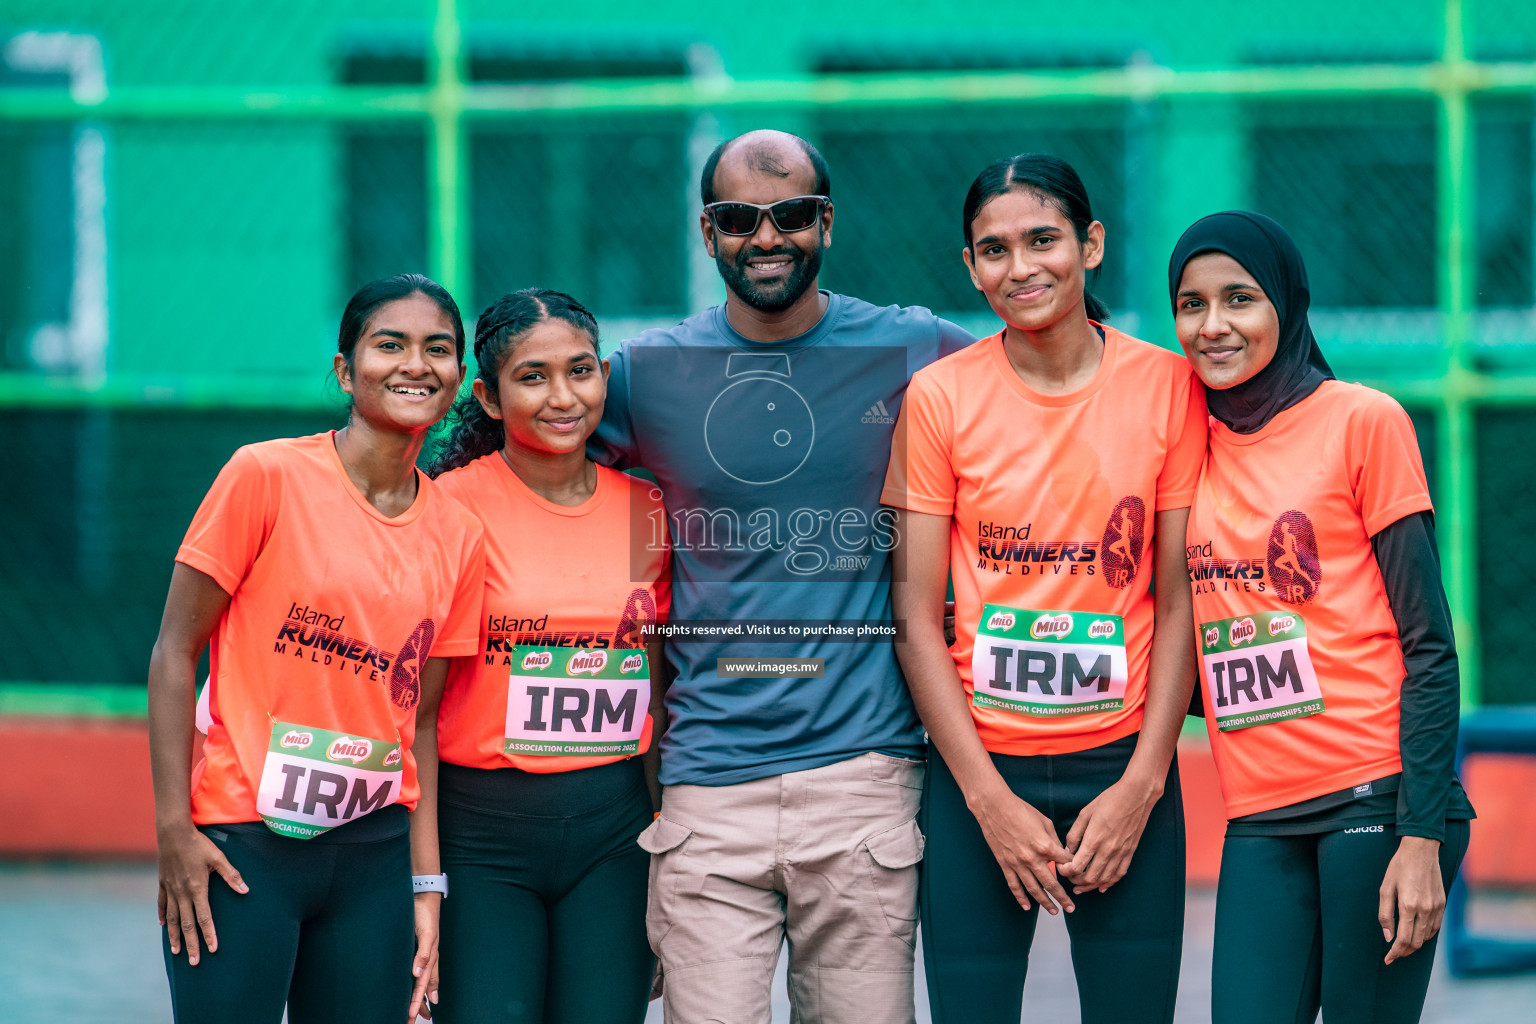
(1241, 632)
(1281, 624)
(537, 659)
(392, 758)
(296, 739)
(586, 661)
(1000, 621)
(1101, 629)
(345, 748)
(1051, 626)
(1212, 636)
(633, 663)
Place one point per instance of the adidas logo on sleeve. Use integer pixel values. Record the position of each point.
(877, 414)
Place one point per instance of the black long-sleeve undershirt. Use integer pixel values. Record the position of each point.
(1431, 694)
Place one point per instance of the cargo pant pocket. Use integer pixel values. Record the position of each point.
(664, 840)
(893, 857)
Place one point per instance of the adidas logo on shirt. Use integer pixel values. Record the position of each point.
(877, 414)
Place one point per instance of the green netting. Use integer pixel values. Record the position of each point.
(95, 505)
(180, 258)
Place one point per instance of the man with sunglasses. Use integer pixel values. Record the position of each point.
(792, 762)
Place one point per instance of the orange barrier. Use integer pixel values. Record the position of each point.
(1205, 821)
(75, 787)
(1503, 850)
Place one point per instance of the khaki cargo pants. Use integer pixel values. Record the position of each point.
(827, 857)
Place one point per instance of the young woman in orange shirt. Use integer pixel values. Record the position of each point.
(330, 581)
(1329, 668)
(546, 732)
(1050, 469)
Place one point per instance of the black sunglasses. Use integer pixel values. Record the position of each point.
(796, 214)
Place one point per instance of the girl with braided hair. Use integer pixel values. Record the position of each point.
(545, 734)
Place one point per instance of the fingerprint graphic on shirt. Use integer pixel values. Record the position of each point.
(405, 676)
(638, 610)
(1291, 560)
(1120, 548)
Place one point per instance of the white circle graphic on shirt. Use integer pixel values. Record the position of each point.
(759, 430)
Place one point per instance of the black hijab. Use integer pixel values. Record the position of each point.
(1268, 253)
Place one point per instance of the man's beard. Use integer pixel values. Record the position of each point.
(776, 298)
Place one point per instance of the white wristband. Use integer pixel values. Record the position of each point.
(430, 883)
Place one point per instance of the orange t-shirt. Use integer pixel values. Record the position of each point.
(334, 609)
(558, 680)
(1299, 652)
(1052, 499)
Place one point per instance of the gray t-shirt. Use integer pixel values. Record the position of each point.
(770, 458)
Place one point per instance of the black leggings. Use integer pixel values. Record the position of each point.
(545, 920)
(327, 928)
(1126, 942)
(1296, 930)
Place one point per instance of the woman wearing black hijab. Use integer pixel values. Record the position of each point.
(1328, 667)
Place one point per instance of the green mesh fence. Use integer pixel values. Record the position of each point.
(189, 192)
(95, 506)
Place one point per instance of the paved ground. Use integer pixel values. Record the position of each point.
(78, 945)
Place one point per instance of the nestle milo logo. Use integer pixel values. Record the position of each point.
(1101, 629)
(1000, 621)
(296, 739)
(1212, 636)
(632, 663)
(392, 758)
(1281, 624)
(1241, 632)
(537, 659)
(586, 661)
(1051, 626)
(346, 748)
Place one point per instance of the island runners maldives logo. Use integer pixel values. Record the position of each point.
(1204, 566)
(504, 634)
(320, 637)
(1002, 548)
(405, 678)
(1292, 560)
(1124, 535)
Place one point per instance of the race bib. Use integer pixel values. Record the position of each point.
(1258, 671)
(564, 702)
(313, 779)
(1046, 664)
